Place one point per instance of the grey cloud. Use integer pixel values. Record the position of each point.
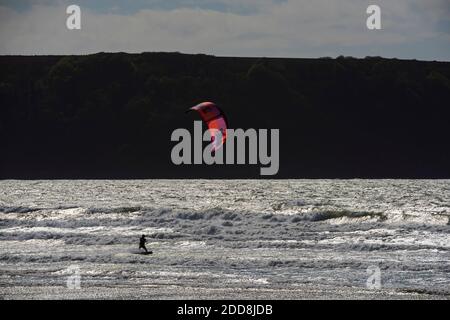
(291, 28)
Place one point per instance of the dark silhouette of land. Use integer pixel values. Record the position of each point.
(111, 115)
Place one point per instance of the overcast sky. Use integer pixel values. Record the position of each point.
(417, 29)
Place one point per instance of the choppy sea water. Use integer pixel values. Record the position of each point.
(230, 239)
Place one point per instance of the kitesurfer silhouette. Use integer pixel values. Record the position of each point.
(142, 242)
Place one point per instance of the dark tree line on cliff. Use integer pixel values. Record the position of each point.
(111, 115)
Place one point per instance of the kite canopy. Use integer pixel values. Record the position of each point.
(215, 120)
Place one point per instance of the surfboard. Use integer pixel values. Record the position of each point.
(145, 253)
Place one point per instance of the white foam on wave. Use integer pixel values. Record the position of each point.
(191, 244)
(97, 230)
(31, 244)
(387, 196)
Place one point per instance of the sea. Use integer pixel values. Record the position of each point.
(225, 239)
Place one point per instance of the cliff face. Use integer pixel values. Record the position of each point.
(111, 115)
